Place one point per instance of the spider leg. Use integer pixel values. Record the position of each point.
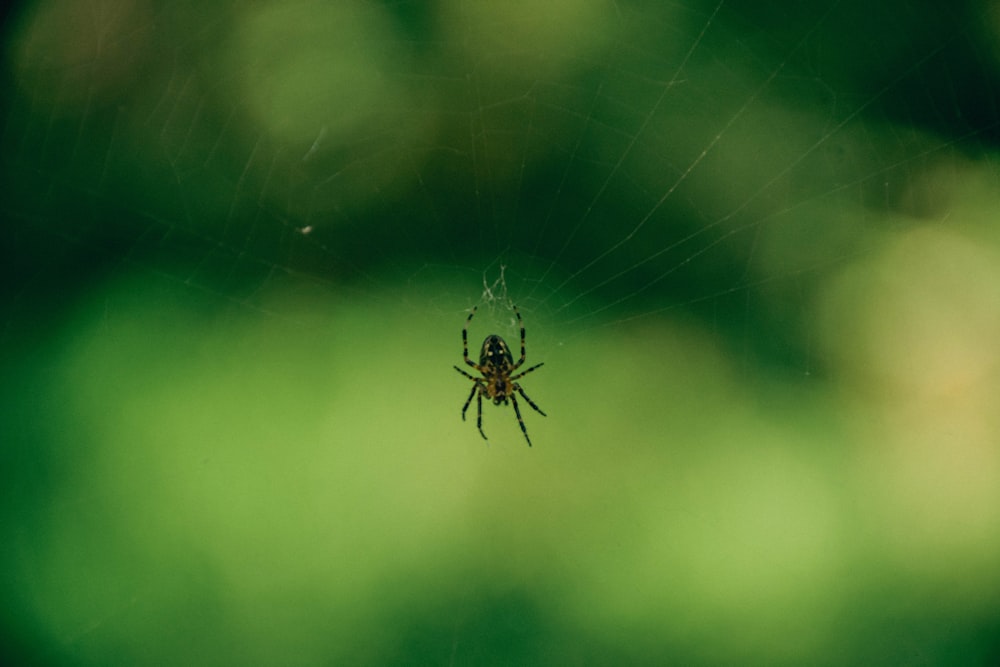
(479, 416)
(523, 373)
(520, 421)
(465, 340)
(465, 374)
(468, 400)
(530, 402)
(520, 323)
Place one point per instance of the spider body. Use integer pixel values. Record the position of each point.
(496, 365)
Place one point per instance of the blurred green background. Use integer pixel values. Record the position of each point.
(756, 248)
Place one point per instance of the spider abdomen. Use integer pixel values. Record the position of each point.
(495, 353)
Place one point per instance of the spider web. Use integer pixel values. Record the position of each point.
(754, 246)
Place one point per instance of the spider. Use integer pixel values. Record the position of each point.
(496, 364)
